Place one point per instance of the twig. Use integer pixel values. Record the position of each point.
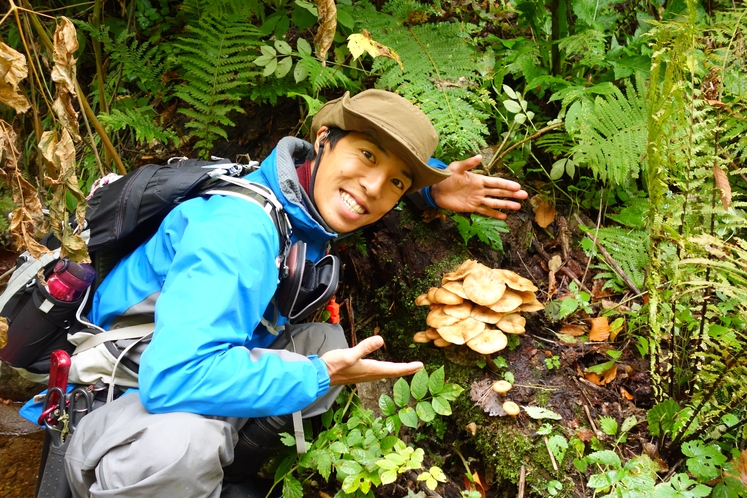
(522, 481)
(498, 158)
(591, 420)
(611, 261)
(564, 270)
(552, 457)
(596, 231)
(351, 319)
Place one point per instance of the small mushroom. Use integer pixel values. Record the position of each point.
(422, 300)
(502, 387)
(485, 314)
(462, 310)
(462, 331)
(437, 318)
(511, 408)
(432, 334)
(513, 323)
(456, 287)
(431, 295)
(461, 271)
(516, 281)
(421, 337)
(533, 306)
(488, 342)
(446, 297)
(507, 303)
(527, 296)
(482, 288)
(441, 342)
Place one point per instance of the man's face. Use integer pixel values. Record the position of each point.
(358, 182)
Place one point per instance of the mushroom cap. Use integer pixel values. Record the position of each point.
(488, 342)
(485, 314)
(533, 306)
(456, 287)
(508, 302)
(421, 337)
(437, 318)
(431, 294)
(526, 296)
(441, 342)
(462, 331)
(511, 408)
(502, 386)
(458, 310)
(516, 281)
(513, 323)
(422, 300)
(446, 297)
(483, 288)
(461, 271)
(432, 334)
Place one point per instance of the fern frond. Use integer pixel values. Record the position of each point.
(215, 60)
(589, 47)
(629, 249)
(142, 122)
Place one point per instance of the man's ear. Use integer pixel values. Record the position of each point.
(321, 135)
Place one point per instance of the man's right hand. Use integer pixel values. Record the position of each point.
(347, 366)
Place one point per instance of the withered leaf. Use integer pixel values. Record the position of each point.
(600, 329)
(60, 154)
(544, 214)
(327, 27)
(609, 375)
(64, 75)
(625, 394)
(585, 434)
(740, 465)
(13, 69)
(362, 42)
(593, 378)
(722, 183)
(3, 331)
(27, 222)
(483, 395)
(573, 330)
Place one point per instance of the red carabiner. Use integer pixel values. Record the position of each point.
(334, 311)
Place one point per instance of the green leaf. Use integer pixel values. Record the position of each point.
(303, 47)
(284, 67)
(601, 368)
(436, 381)
(387, 464)
(558, 168)
(438, 474)
(512, 106)
(284, 468)
(349, 467)
(510, 92)
(629, 423)
(386, 404)
(351, 483)
(270, 67)
(704, 461)
(425, 411)
(605, 457)
(311, 7)
(662, 416)
(408, 417)
(609, 425)
(268, 51)
(451, 392)
(396, 458)
(354, 438)
(388, 476)
(300, 73)
(339, 447)
(263, 60)
(538, 413)
(441, 406)
(558, 445)
(283, 47)
(401, 392)
(520, 118)
(292, 488)
(324, 464)
(419, 384)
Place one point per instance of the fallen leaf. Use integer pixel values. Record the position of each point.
(610, 375)
(13, 68)
(430, 214)
(600, 329)
(544, 214)
(573, 330)
(585, 434)
(327, 28)
(555, 263)
(740, 465)
(722, 182)
(715, 103)
(362, 42)
(593, 378)
(475, 484)
(625, 394)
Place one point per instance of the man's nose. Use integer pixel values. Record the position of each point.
(373, 183)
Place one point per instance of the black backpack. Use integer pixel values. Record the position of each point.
(120, 216)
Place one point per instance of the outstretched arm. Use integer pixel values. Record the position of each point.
(467, 192)
(347, 366)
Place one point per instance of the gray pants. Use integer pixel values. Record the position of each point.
(122, 450)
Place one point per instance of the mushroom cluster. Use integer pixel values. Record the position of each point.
(477, 305)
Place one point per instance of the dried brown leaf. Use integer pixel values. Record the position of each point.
(544, 214)
(600, 329)
(573, 330)
(609, 375)
(593, 378)
(13, 69)
(64, 75)
(481, 392)
(585, 434)
(362, 42)
(3, 331)
(327, 16)
(722, 182)
(740, 465)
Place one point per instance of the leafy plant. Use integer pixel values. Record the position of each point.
(558, 309)
(486, 229)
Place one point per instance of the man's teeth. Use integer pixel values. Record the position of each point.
(354, 206)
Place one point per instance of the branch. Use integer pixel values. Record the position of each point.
(499, 157)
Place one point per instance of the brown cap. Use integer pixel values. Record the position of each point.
(392, 120)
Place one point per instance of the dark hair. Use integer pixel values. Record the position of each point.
(333, 136)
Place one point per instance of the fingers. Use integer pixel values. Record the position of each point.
(368, 345)
(465, 164)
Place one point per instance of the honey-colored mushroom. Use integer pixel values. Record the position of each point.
(441, 342)
(515, 281)
(488, 342)
(532, 306)
(446, 297)
(461, 271)
(456, 287)
(422, 300)
(432, 334)
(513, 323)
(511, 408)
(482, 288)
(462, 310)
(502, 387)
(462, 331)
(421, 337)
(508, 302)
(485, 314)
(437, 318)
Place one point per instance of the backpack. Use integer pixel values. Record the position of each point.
(120, 216)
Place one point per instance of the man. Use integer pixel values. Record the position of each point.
(215, 372)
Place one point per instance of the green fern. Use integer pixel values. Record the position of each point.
(215, 61)
(141, 122)
(611, 133)
(629, 249)
(441, 67)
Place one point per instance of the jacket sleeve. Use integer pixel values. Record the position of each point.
(220, 280)
(423, 198)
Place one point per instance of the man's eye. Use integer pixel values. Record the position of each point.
(398, 183)
(369, 155)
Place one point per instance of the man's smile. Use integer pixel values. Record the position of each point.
(351, 203)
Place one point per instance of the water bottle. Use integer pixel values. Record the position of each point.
(69, 280)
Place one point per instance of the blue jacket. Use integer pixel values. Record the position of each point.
(209, 275)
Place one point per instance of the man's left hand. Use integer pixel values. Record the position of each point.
(466, 192)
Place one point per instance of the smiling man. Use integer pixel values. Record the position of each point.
(224, 366)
